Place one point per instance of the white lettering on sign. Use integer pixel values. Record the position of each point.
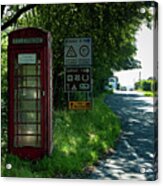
(26, 58)
(80, 105)
(78, 51)
(85, 78)
(74, 87)
(77, 79)
(84, 86)
(70, 78)
(33, 40)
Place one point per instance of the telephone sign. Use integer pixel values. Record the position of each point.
(77, 79)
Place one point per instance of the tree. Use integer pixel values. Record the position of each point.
(16, 11)
(112, 27)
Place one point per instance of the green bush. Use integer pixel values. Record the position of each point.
(146, 85)
(149, 87)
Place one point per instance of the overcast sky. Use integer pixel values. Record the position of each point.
(144, 54)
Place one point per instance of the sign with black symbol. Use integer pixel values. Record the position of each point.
(71, 52)
(77, 51)
(77, 79)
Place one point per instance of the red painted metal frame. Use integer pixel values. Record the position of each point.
(45, 67)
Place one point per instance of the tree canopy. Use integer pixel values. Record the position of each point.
(112, 27)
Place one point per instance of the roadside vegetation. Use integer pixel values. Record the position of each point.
(80, 138)
(149, 93)
(148, 87)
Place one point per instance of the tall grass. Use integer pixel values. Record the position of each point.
(80, 138)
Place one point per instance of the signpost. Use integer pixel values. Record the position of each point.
(78, 72)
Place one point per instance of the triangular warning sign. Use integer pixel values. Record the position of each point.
(71, 52)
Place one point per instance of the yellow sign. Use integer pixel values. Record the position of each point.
(79, 105)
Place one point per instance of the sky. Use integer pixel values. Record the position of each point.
(144, 54)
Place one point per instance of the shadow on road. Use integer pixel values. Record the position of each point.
(135, 151)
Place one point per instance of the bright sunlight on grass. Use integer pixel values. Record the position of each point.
(80, 138)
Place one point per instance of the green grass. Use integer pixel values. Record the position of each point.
(80, 138)
(148, 93)
(109, 91)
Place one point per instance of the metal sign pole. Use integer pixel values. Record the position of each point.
(68, 95)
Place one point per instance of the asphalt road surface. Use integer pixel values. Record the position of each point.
(135, 151)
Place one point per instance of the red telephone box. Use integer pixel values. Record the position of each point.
(30, 93)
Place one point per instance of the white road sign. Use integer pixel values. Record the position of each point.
(77, 51)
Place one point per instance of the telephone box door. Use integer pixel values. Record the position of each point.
(28, 103)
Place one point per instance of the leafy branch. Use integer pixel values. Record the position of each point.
(16, 16)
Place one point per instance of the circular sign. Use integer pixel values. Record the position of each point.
(84, 50)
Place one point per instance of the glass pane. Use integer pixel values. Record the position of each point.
(39, 72)
(28, 93)
(31, 117)
(27, 129)
(15, 114)
(28, 105)
(29, 82)
(25, 70)
(21, 141)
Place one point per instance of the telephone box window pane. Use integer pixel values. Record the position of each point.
(28, 117)
(32, 141)
(28, 94)
(28, 105)
(28, 82)
(26, 70)
(27, 129)
(15, 116)
(38, 69)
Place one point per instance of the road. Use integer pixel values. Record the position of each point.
(134, 154)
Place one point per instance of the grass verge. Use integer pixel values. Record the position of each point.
(80, 138)
(149, 93)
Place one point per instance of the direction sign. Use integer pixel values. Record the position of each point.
(77, 51)
(80, 105)
(77, 79)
